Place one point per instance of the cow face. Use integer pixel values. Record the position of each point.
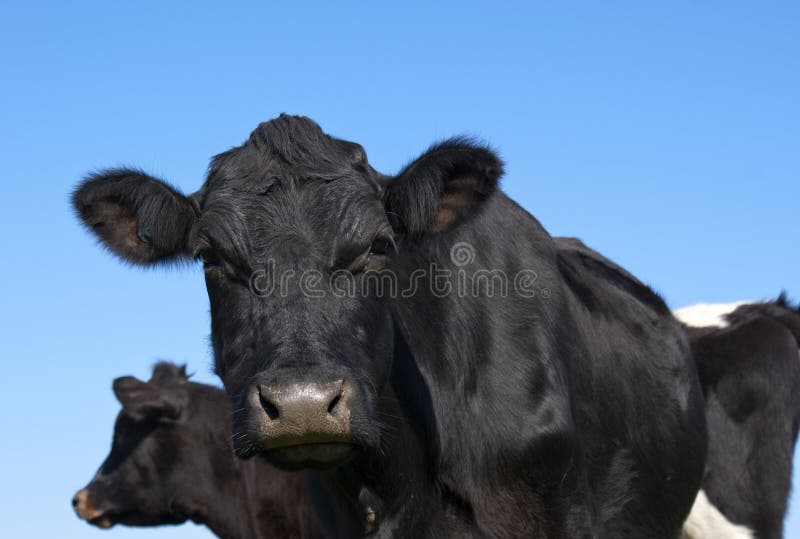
(153, 456)
(290, 226)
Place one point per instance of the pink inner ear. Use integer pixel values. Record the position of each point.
(119, 229)
(457, 201)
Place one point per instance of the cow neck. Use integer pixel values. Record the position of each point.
(396, 486)
(448, 337)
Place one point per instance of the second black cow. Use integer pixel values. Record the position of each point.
(172, 460)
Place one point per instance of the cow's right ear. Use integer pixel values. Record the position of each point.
(144, 399)
(139, 218)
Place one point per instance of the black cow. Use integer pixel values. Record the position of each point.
(565, 404)
(747, 357)
(172, 461)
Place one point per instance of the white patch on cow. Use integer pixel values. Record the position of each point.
(706, 522)
(707, 314)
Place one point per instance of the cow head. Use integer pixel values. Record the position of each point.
(160, 449)
(289, 227)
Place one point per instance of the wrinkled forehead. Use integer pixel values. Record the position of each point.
(290, 180)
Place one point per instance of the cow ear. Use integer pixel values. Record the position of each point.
(442, 188)
(146, 400)
(139, 218)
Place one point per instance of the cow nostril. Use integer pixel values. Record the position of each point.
(269, 407)
(338, 403)
(272, 411)
(333, 403)
(75, 501)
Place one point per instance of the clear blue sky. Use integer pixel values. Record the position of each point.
(666, 134)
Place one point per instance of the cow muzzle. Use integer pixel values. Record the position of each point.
(301, 424)
(84, 508)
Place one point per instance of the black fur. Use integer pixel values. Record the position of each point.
(166, 468)
(572, 413)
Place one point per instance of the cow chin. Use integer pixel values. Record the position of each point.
(301, 452)
(304, 452)
(104, 522)
(320, 456)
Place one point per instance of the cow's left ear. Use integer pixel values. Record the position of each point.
(442, 188)
(145, 399)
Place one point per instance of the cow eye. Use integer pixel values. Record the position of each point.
(382, 246)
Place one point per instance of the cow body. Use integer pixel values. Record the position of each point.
(747, 357)
(567, 407)
(172, 460)
(557, 455)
